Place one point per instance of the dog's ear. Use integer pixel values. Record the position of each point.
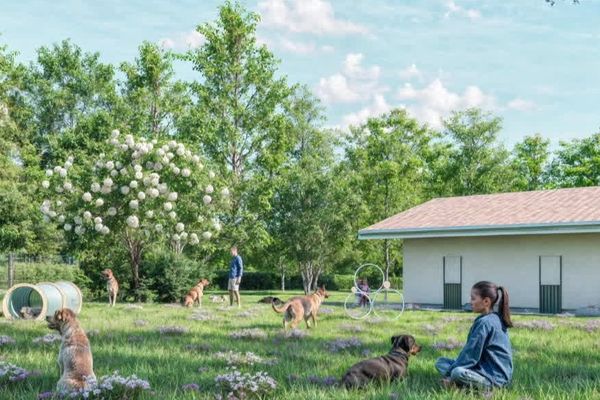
(67, 314)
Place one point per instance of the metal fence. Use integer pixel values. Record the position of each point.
(13, 266)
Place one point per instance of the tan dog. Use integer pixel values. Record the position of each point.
(75, 361)
(111, 285)
(387, 368)
(301, 307)
(195, 294)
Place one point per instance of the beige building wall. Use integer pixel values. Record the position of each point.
(511, 261)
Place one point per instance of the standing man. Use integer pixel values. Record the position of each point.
(236, 268)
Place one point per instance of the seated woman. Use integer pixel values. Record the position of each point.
(486, 360)
(364, 290)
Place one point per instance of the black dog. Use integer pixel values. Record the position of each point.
(270, 299)
(386, 368)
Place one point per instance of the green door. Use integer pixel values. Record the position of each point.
(452, 270)
(550, 284)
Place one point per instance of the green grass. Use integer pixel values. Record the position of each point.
(563, 363)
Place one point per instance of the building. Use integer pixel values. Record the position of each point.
(544, 246)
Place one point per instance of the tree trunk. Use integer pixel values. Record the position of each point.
(11, 270)
(306, 272)
(282, 280)
(135, 247)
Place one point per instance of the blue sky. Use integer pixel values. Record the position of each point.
(534, 65)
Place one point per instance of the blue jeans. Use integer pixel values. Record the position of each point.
(462, 376)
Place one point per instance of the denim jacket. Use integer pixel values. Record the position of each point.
(488, 351)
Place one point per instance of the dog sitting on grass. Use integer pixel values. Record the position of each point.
(112, 286)
(387, 368)
(75, 361)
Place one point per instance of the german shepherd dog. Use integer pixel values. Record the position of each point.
(111, 285)
(195, 294)
(387, 368)
(75, 361)
(301, 307)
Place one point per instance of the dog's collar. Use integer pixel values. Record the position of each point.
(399, 353)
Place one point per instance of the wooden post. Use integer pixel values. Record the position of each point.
(11, 270)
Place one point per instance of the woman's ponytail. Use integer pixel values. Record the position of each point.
(504, 307)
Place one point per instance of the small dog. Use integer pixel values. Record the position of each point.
(75, 361)
(218, 299)
(111, 285)
(195, 294)
(301, 307)
(386, 368)
(270, 300)
(30, 312)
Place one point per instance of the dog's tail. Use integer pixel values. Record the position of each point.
(281, 309)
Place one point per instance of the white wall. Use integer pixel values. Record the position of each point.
(511, 261)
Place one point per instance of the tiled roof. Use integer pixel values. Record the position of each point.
(542, 207)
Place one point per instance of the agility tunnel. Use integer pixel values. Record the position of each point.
(28, 301)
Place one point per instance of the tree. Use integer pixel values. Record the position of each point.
(237, 118)
(530, 159)
(476, 163)
(153, 100)
(388, 161)
(577, 163)
(139, 193)
(72, 97)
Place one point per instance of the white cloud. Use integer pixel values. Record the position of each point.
(183, 41)
(352, 84)
(312, 16)
(297, 47)
(434, 102)
(410, 72)
(336, 89)
(378, 107)
(521, 105)
(453, 8)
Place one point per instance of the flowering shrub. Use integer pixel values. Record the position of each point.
(109, 387)
(140, 191)
(326, 381)
(295, 334)
(431, 329)
(351, 327)
(590, 326)
(10, 373)
(236, 386)
(335, 346)
(191, 387)
(6, 340)
(254, 333)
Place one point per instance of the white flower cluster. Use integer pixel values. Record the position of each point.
(133, 185)
(235, 385)
(112, 386)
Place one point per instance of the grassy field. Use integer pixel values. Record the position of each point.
(555, 357)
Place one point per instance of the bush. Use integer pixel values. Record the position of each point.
(45, 272)
(169, 276)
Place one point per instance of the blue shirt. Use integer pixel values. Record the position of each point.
(236, 267)
(488, 351)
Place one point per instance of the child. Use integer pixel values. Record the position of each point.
(486, 359)
(364, 291)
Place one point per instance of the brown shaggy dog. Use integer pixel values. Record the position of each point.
(389, 367)
(111, 285)
(195, 294)
(301, 307)
(75, 361)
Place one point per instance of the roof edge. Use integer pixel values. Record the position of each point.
(482, 230)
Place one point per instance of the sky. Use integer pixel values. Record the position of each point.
(535, 66)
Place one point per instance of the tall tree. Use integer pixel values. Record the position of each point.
(238, 115)
(153, 99)
(73, 97)
(388, 160)
(477, 163)
(577, 163)
(530, 158)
